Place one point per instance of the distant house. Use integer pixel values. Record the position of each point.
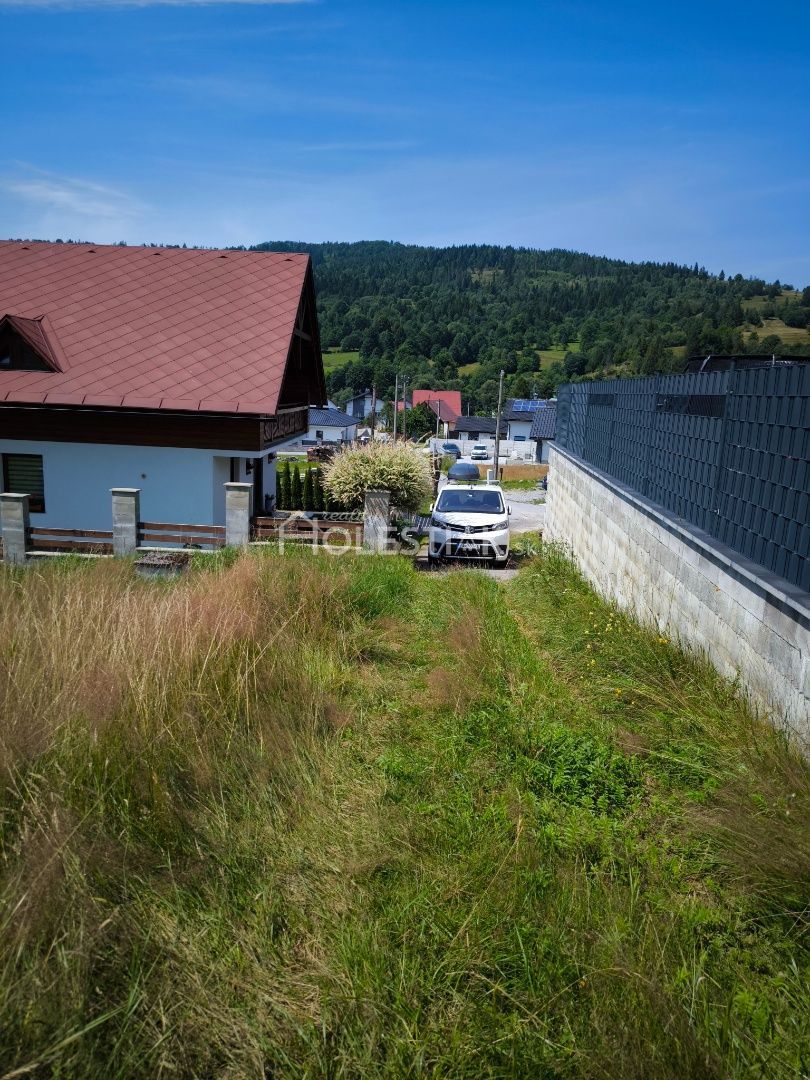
(444, 416)
(448, 402)
(330, 425)
(360, 405)
(519, 415)
(168, 370)
(476, 428)
(543, 430)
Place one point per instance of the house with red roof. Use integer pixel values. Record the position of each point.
(165, 369)
(447, 402)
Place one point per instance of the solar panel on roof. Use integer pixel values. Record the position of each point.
(527, 404)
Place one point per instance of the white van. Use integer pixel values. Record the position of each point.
(469, 521)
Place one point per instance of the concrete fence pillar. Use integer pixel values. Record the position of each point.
(15, 525)
(237, 514)
(490, 476)
(375, 520)
(126, 514)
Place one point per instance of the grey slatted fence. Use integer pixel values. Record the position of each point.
(727, 451)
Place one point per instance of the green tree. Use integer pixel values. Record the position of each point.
(317, 490)
(488, 396)
(653, 357)
(421, 419)
(296, 490)
(284, 501)
(308, 499)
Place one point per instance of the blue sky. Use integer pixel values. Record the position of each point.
(671, 131)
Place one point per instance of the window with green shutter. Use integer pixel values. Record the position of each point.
(22, 473)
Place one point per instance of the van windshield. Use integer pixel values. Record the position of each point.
(470, 501)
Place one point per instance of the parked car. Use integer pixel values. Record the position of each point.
(451, 448)
(469, 521)
(480, 452)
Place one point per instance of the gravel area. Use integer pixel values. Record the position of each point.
(527, 514)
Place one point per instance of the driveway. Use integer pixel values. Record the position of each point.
(528, 515)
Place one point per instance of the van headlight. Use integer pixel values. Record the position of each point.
(437, 523)
(499, 525)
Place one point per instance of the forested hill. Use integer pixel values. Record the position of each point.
(453, 317)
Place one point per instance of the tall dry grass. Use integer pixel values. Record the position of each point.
(150, 734)
(298, 816)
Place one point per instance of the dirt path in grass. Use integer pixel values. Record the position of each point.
(501, 884)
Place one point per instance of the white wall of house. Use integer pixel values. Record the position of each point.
(519, 430)
(332, 434)
(360, 406)
(542, 450)
(177, 484)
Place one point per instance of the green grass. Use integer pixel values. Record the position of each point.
(304, 465)
(557, 353)
(306, 816)
(790, 335)
(757, 302)
(334, 358)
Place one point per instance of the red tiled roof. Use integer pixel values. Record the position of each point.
(451, 398)
(443, 411)
(151, 328)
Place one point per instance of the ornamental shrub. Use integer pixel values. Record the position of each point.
(378, 466)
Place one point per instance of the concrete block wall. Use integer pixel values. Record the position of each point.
(754, 626)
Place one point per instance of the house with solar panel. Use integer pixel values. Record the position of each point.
(519, 415)
(543, 430)
(168, 370)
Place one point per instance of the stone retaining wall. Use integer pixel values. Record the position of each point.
(753, 625)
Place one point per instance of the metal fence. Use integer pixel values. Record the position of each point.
(728, 451)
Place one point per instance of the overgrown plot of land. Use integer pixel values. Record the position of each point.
(328, 817)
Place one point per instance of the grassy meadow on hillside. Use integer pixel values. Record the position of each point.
(306, 816)
(334, 359)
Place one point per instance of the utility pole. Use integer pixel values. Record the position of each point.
(396, 404)
(373, 409)
(498, 426)
(404, 404)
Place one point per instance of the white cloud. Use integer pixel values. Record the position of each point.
(44, 205)
(72, 196)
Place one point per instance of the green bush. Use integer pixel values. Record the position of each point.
(284, 501)
(308, 500)
(317, 491)
(296, 490)
(397, 468)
